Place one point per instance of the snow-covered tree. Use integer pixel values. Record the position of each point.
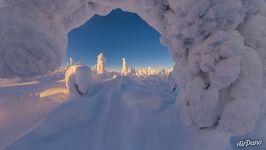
(100, 66)
(79, 79)
(151, 71)
(132, 70)
(124, 70)
(70, 63)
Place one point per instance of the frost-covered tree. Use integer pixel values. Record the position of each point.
(163, 72)
(79, 79)
(151, 71)
(132, 70)
(124, 70)
(100, 66)
(70, 63)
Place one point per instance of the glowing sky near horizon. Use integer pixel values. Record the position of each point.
(117, 35)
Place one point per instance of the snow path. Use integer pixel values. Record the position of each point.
(90, 122)
(120, 113)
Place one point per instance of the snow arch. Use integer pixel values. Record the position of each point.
(218, 47)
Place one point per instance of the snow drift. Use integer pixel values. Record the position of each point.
(218, 47)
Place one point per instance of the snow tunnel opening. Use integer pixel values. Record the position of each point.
(120, 37)
(200, 38)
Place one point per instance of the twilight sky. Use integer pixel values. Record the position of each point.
(119, 34)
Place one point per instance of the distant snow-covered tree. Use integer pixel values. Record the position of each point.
(100, 66)
(124, 70)
(132, 70)
(70, 63)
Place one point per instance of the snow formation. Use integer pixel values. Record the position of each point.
(79, 80)
(218, 47)
(100, 66)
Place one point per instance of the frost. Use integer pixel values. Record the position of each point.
(239, 116)
(205, 113)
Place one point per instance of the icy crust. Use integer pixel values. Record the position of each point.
(218, 47)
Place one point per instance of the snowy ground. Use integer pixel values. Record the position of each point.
(122, 113)
(23, 105)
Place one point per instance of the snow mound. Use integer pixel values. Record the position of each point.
(79, 80)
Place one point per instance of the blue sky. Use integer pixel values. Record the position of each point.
(119, 34)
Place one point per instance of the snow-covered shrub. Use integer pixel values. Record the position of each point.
(79, 80)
